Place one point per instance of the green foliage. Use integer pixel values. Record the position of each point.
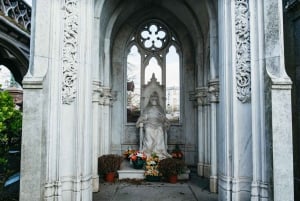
(10, 126)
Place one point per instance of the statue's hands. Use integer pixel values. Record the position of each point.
(140, 121)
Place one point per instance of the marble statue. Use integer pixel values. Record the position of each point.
(155, 124)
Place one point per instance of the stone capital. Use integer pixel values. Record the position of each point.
(201, 96)
(105, 96)
(214, 90)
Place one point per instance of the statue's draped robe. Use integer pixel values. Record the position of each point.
(155, 125)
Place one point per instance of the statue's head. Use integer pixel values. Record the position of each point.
(154, 99)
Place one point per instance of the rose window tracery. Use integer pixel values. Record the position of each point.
(153, 37)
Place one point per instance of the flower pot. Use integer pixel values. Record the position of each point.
(173, 179)
(110, 177)
(153, 178)
(138, 163)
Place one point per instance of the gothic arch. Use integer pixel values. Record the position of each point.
(14, 58)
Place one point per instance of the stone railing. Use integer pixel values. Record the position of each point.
(17, 12)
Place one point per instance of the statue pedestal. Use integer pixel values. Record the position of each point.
(128, 172)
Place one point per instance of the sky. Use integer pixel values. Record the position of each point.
(28, 1)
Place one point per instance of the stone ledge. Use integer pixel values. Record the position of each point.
(128, 172)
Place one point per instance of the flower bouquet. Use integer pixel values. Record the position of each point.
(127, 153)
(152, 173)
(138, 159)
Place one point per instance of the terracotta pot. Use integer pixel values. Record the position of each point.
(173, 179)
(110, 177)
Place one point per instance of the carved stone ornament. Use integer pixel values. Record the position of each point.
(214, 89)
(202, 96)
(242, 34)
(70, 51)
(106, 96)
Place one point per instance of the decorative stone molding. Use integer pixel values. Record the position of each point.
(242, 34)
(70, 55)
(214, 90)
(96, 91)
(201, 96)
(53, 189)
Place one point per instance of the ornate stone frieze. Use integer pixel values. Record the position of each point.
(242, 34)
(214, 89)
(70, 55)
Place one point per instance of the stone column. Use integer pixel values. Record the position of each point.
(224, 117)
(260, 183)
(57, 141)
(96, 133)
(201, 96)
(105, 113)
(207, 136)
(235, 171)
(214, 99)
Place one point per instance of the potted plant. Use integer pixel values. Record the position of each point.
(170, 168)
(108, 165)
(151, 169)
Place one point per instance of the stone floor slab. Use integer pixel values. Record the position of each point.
(195, 189)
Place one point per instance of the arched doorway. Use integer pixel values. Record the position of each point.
(235, 125)
(197, 72)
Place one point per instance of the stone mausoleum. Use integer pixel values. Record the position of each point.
(230, 104)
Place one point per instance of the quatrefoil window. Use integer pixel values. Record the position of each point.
(153, 37)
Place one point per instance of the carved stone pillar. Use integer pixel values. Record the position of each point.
(58, 104)
(213, 89)
(201, 98)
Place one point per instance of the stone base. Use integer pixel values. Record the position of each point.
(206, 170)
(128, 172)
(200, 169)
(95, 184)
(185, 175)
(213, 184)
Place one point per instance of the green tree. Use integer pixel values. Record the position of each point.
(10, 127)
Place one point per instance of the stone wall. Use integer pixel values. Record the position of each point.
(292, 55)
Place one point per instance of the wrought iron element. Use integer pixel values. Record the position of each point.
(70, 51)
(242, 34)
(18, 11)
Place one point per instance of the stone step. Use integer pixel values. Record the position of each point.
(128, 172)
